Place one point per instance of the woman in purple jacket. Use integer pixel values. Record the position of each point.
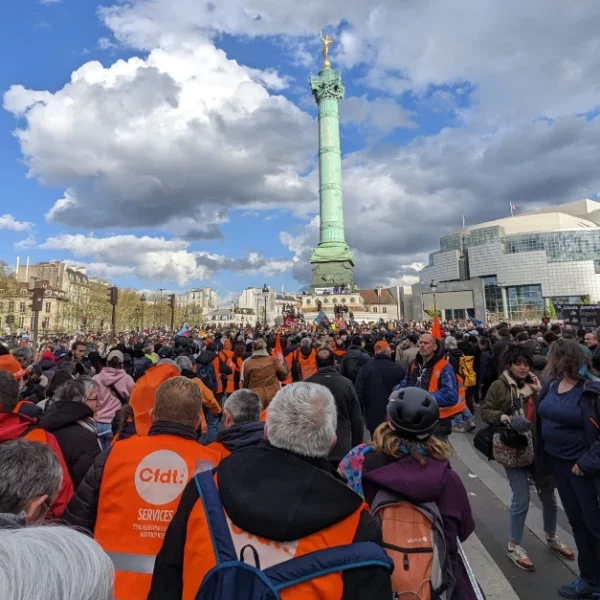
(407, 461)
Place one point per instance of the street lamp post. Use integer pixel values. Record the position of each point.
(265, 295)
(433, 288)
(142, 303)
(161, 290)
(137, 317)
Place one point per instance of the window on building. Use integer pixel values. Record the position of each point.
(21, 322)
(1, 306)
(11, 306)
(21, 307)
(525, 302)
(493, 295)
(374, 309)
(48, 307)
(384, 309)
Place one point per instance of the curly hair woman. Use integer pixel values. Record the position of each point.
(509, 405)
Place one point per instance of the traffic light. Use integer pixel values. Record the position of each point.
(172, 300)
(113, 295)
(37, 302)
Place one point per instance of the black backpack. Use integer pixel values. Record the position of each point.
(206, 373)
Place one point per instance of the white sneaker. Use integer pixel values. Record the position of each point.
(519, 556)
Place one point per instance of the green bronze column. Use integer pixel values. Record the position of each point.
(332, 261)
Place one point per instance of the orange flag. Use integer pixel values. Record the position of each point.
(436, 330)
(278, 348)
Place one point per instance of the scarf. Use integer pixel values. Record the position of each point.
(90, 425)
(262, 352)
(517, 394)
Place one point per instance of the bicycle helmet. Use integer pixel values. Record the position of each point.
(413, 413)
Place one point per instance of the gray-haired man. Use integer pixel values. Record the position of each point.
(243, 426)
(30, 477)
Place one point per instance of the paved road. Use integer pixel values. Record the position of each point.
(489, 493)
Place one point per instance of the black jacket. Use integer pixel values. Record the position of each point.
(241, 435)
(349, 417)
(374, 385)
(77, 442)
(279, 496)
(352, 362)
(82, 510)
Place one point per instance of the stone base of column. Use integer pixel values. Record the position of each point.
(332, 267)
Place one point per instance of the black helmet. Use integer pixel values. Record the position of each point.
(414, 413)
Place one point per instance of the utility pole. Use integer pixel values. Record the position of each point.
(37, 304)
(113, 298)
(172, 306)
(142, 303)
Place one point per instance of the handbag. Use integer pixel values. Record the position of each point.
(517, 452)
(484, 441)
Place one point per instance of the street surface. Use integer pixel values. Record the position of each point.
(490, 494)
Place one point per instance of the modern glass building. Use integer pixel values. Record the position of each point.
(528, 263)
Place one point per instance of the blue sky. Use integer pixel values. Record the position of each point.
(193, 162)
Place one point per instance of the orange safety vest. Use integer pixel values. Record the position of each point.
(36, 435)
(18, 406)
(289, 360)
(199, 557)
(143, 480)
(229, 379)
(217, 366)
(446, 412)
(308, 364)
(263, 416)
(218, 447)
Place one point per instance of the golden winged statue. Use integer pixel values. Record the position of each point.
(327, 41)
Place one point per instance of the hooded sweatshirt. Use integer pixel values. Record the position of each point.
(108, 403)
(436, 482)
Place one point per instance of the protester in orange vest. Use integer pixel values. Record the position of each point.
(226, 355)
(130, 494)
(307, 358)
(209, 401)
(432, 372)
(283, 500)
(14, 425)
(242, 423)
(236, 364)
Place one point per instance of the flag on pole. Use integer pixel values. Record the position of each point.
(321, 320)
(278, 348)
(475, 322)
(436, 330)
(513, 207)
(184, 331)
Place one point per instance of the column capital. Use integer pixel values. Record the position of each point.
(327, 85)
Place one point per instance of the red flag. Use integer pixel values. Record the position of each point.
(436, 330)
(278, 349)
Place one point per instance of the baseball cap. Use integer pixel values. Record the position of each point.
(381, 346)
(115, 354)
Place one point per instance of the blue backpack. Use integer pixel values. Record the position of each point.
(231, 576)
(206, 373)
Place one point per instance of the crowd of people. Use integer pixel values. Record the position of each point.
(286, 463)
